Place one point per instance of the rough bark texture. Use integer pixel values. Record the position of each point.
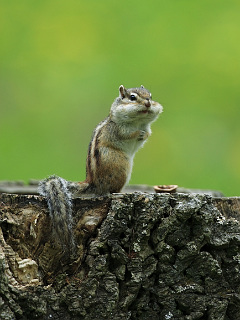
(140, 256)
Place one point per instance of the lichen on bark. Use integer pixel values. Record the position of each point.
(140, 256)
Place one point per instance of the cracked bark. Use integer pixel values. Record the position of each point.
(140, 256)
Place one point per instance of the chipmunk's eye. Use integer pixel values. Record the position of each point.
(133, 97)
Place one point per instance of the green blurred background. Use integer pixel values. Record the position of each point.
(61, 63)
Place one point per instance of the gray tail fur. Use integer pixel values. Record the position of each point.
(59, 200)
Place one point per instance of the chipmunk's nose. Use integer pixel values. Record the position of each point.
(147, 103)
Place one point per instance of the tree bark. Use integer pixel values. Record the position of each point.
(139, 256)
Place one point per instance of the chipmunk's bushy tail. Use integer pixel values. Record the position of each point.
(59, 199)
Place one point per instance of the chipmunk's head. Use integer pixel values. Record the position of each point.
(135, 105)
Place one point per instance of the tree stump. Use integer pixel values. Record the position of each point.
(139, 256)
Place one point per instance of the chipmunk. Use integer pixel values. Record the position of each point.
(110, 158)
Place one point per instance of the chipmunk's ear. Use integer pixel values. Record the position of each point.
(122, 91)
(142, 87)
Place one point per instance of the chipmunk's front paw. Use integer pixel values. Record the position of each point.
(143, 135)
